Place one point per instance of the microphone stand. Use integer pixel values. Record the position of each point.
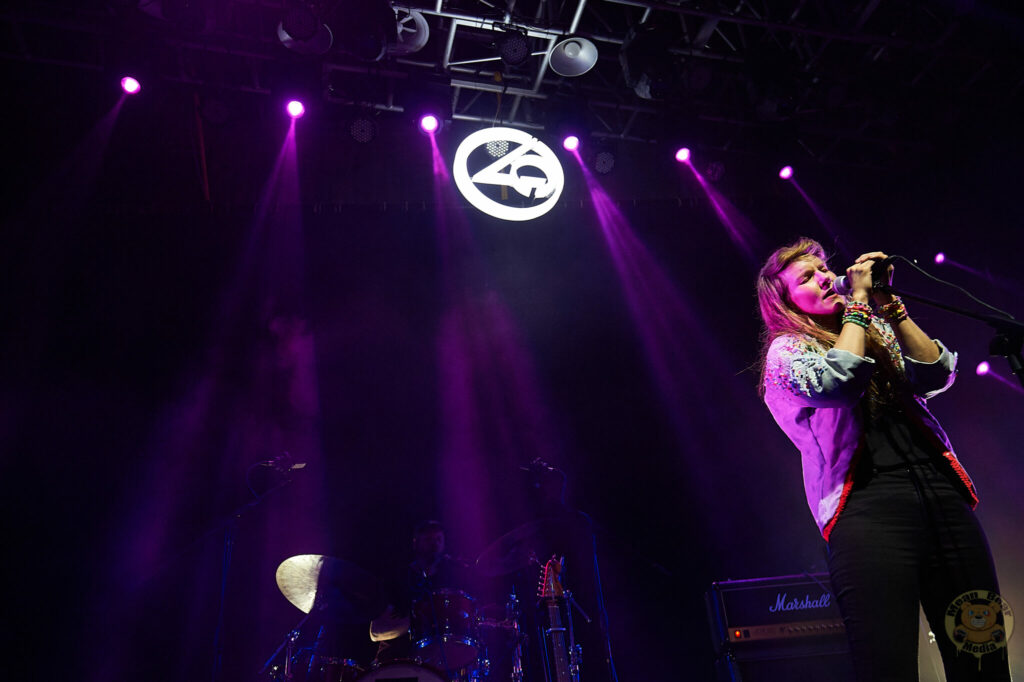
(230, 526)
(1009, 333)
(538, 465)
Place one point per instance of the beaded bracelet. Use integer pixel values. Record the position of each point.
(858, 314)
(894, 311)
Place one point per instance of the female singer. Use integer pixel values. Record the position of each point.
(846, 380)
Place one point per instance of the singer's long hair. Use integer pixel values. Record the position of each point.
(778, 314)
(781, 317)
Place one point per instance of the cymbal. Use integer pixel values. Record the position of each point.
(522, 547)
(343, 591)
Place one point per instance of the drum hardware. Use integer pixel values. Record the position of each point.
(279, 672)
(512, 615)
(575, 660)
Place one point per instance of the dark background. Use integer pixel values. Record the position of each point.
(416, 354)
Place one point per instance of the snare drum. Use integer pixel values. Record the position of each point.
(444, 630)
(405, 671)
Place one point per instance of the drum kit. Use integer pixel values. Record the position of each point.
(451, 638)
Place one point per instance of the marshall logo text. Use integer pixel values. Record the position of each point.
(783, 603)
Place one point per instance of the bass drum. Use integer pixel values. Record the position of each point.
(444, 629)
(323, 669)
(403, 671)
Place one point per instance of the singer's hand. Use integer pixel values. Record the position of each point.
(858, 276)
(868, 259)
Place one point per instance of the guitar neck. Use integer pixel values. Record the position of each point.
(559, 648)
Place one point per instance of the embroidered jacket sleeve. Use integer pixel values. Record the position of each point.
(798, 370)
(931, 378)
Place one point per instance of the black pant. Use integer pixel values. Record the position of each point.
(907, 537)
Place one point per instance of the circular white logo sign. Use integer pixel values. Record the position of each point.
(529, 167)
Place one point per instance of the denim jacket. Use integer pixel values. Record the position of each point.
(813, 393)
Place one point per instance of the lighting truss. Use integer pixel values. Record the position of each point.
(866, 87)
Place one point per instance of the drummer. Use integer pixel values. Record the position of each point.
(431, 569)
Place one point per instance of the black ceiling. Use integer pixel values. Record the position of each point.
(867, 83)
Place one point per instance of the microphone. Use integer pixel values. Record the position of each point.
(844, 287)
(283, 463)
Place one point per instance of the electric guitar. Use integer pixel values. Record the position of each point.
(552, 597)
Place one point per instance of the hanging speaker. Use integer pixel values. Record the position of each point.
(573, 57)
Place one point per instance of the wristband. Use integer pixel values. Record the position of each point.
(857, 313)
(894, 311)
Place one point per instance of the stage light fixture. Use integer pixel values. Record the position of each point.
(982, 368)
(363, 129)
(573, 56)
(683, 155)
(412, 32)
(940, 258)
(364, 28)
(430, 123)
(648, 64)
(786, 172)
(497, 148)
(130, 85)
(514, 48)
(302, 31)
(571, 143)
(604, 162)
(296, 109)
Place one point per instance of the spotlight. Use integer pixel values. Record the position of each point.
(429, 123)
(130, 85)
(571, 142)
(786, 173)
(573, 57)
(295, 108)
(940, 258)
(683, 155)
(982, 368)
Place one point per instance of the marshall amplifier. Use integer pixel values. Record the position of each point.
(781, 628)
